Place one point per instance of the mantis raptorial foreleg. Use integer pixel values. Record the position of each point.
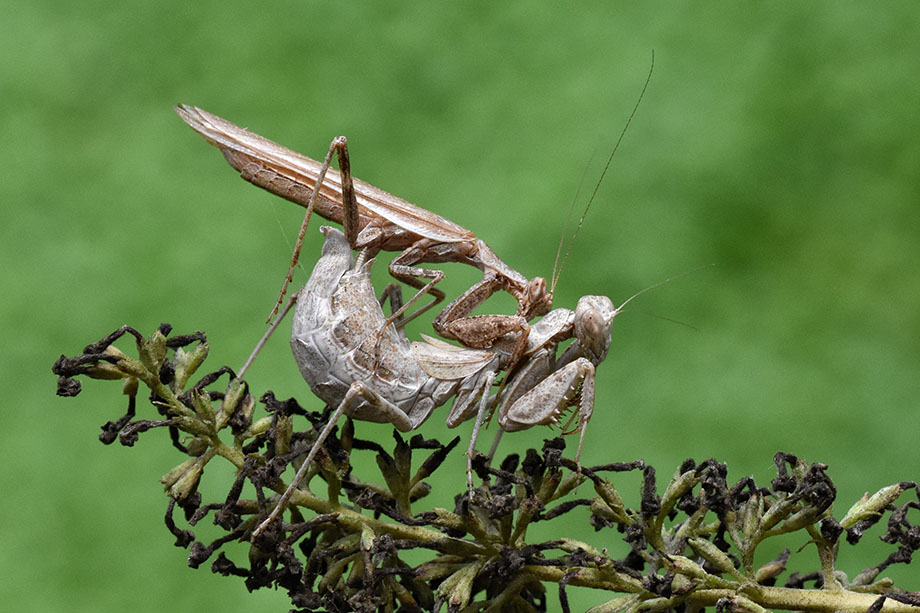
(480, 331)
(570, 386)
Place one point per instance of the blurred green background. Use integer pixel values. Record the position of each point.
(781, 146)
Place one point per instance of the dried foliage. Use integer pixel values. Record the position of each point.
(343, 543)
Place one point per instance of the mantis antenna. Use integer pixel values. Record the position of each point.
(557, 265)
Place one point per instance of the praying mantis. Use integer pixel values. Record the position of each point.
(338, 317)
(373, 221)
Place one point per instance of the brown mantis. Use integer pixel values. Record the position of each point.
(374, 220)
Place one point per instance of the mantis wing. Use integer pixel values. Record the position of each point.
(449, 362)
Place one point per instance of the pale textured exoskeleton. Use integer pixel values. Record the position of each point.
(336, 322)
(380, 377)
(365, 369)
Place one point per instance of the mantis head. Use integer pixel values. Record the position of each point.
(538, 299)
(593, 320)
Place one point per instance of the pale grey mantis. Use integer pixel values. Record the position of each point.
(374, 220)
(337, 332)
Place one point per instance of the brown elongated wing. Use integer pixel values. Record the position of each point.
(250, 153)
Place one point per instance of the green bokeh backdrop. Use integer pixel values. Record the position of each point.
(779, 145)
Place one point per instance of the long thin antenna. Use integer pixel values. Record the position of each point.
(581, 182)
(665, 318)
(558, 273)
(660, 283)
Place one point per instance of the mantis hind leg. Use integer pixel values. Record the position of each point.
(339, 146)
(357, 391)
(480, 418)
